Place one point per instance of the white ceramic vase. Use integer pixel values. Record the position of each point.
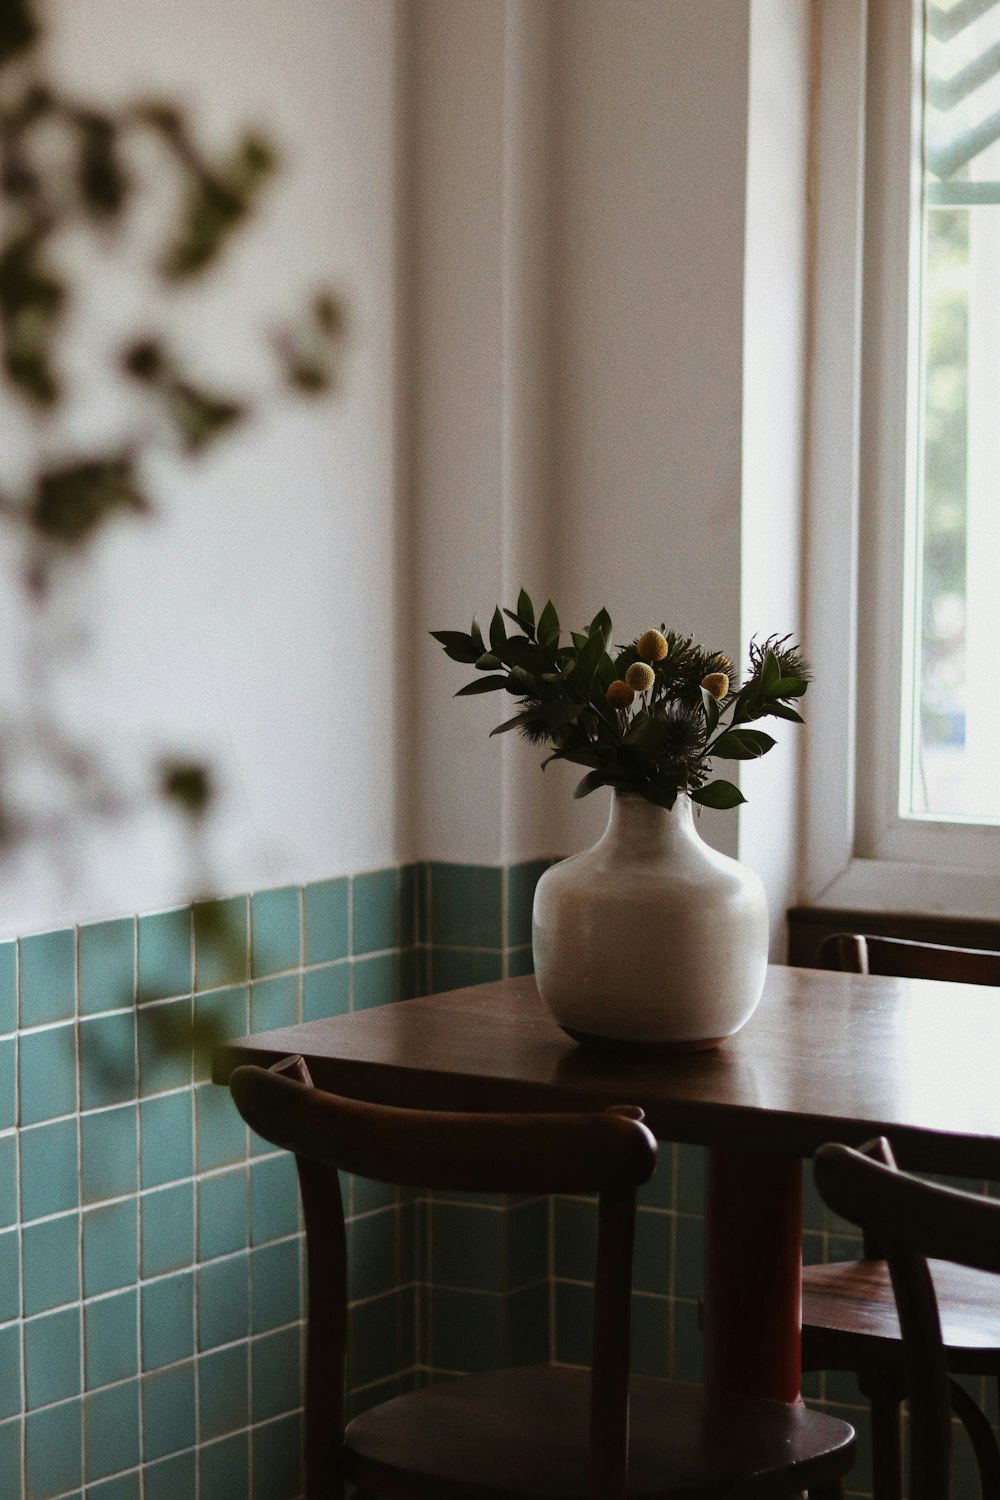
(651, 937)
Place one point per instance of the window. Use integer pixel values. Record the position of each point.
(905, 474)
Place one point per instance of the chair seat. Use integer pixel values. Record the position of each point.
(524, 1432)
(849, 1304)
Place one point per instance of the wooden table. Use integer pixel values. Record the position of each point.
(825, 1057)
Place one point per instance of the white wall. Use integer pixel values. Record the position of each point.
(259, 620)
(549, 218)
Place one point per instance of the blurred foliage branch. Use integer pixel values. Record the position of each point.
(72, 167)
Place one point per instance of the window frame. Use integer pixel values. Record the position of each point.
(859, 851)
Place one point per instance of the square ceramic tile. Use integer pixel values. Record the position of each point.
(222, 1391)
(650, 1336)
(274, 1198)
(221, 1015)
(50, 1181)
(454, 968)
(275, 1272)
(277, 1459)
(222, 1214)
(274, 1003)
(689, 1270)
(467, 1247)
(51, 1263)
(107, 966)
(276, 1383)
(109, 1153)
(527, 1243)
(221, 1131)
(165, 1043)
(8, 1083)
(520, 961)
(121, 1487)
(466, 1330)
(225, 1468)
(575, 1238)
(168, 1411)
(10, 1457)
(110, 1339)
(466, 905)
(47, 978)
(375, 981)
(52, 1348)
(574, 1323)
(526, 1330)
(10, 1276)
(166, 1128)
(111, 1427)
(326, 920)
(372, 1243)
(8, 1180)
(10, 1373)
(372, 1340)
(8, 986)
(223, 1302)
(167, 1229)
(221, 942)
(52, 1440)
(110, 1247)
(165, 951)
(171, 1477)
(275, 924)
(326, 992)
(374, 912)
(47, 1073)
(167, 1310)
(107, 1060)
(651, 1262)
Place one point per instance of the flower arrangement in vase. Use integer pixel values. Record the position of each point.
(651, 937)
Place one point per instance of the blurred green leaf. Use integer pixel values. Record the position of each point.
(525, 608)
(482, 685)
(18, 28)
(103, 183)
(200, 417)
(188, 784)
(217, 204)
(70, 503)
(498, 635)
(590, 783)
(548, 627)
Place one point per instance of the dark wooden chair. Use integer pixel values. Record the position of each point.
(913, 1221)
(849, 1319)
(538, 1432)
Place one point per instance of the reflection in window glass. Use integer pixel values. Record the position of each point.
(954, 760)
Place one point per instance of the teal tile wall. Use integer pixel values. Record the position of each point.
(151, 1260)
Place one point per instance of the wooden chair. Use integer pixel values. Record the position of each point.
(914, 1220)
(539, 1432)
(849, 1317)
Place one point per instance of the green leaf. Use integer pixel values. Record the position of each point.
(518, 651)
(477, 636)
(605, 674)
(548, 627)
(498, 634)
(742, 744)
(587, 661)
(482, 685)
(782, 711)
(513, 723)
(710, 703)
(601, 624)
(790, 687)
(590, 783)
(525, 608)
(528, 626)
(771, 674)
(488, 662)
(456, 645)
(558, 714)
(718, 794)
(579, 639)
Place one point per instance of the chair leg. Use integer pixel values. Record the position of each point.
(981, 1437)
(887, 1459)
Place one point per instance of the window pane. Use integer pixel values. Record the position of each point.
(955, 734)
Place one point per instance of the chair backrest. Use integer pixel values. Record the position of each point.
(609, 1154)
(912, 1220)
(856, 953)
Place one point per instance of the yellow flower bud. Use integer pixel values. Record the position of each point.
(716, 683)
(620, 695)
(640, 677)
(652, 646)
